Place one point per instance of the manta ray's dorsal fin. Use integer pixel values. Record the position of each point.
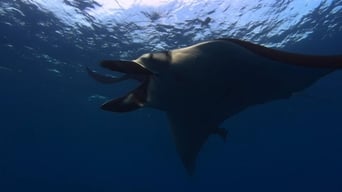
(318, 61)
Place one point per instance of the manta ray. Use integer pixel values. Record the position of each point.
(200, 86)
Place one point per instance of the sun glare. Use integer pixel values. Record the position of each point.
(126, 4)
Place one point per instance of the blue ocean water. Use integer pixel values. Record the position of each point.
(54, 137)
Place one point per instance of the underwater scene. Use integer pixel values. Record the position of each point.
(170, 95)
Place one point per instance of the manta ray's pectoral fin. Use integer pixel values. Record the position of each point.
(316, 61)
(189, 134)
(130, 102)
(222, 132)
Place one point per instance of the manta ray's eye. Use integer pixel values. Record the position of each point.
(156, 61)
(164, 56)
(146, 57)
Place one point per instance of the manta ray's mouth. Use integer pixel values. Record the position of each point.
(132, 70)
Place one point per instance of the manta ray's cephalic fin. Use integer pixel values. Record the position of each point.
(128, 67)
(106, 79)
(134, 99)
(130, 102)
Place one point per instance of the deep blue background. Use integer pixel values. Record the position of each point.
(52, 138)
